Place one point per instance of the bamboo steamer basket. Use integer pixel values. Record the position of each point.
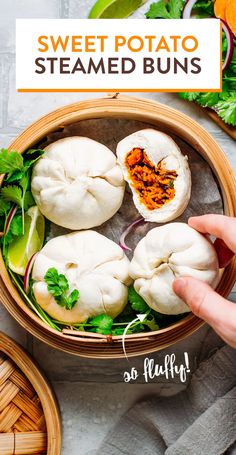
(93, 345)
(29, 416)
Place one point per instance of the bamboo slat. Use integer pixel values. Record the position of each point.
(29, 419)
(33, 443)
(160, 116)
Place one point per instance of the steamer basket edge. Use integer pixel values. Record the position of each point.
(42, 388)
(150, 112)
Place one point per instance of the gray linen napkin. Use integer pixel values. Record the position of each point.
(199, 421)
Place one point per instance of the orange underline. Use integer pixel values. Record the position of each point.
(150, 90)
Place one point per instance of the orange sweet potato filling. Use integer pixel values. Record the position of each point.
(153, 183)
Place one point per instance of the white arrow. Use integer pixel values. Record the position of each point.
(140, 317)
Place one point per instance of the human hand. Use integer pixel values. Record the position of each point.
(199, 296)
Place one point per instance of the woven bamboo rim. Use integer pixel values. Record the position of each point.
(29, 416)
(100, 346)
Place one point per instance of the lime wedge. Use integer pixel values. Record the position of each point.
(114, 9)
(23, 247)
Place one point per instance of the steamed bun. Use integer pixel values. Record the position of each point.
(158, 174)
(168, 252)
(94, 265)
(77, 183)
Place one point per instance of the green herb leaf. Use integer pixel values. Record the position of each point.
(4, 207)
(18, 172)
(51, 276)
(223, 103)
(55, 290)
(118, 331)
(208, 99)
(28, 200)
(204, 8)
(224, 95)
(10, 161)
(158, 10)
(25, 182)
(151, 323)
(31, 157)
(103, 324)
(189, 96)
(227, 110)
(16, 225)
(14, 176)
(12, 193)
(58, 286)
(15, 230)
(72, 299)
(16, 165)
(31, 302)
(162, 10)
(138, 304)
(176, 8)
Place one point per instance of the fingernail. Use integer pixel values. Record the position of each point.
(179, 285)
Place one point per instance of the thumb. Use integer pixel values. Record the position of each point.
(204, 302)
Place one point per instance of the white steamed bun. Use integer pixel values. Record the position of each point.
(94, 265)
(77, 183)
(168, 252)
(162, 194)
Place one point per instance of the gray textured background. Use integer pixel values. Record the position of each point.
(91, 393)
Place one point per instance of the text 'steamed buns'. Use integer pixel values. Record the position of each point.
(94, 265)
(78, 184)
(168, 252)
(157, 172)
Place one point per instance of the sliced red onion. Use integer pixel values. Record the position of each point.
(127, 231)
(28, 271)
(10, 218)
(230, 44)
(187, 11)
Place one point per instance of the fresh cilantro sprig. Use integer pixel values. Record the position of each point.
(15, 229)
(162, 10)
(173, 9)
(204, 8)
(16, 186)
(4, 207)
(226, 109)
(137, 303)
(15, 165)
(58, 286)
(12, 193)
(224, 103)
(102, 324)
(10, 162)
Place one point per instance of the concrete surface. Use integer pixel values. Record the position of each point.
(91, 393)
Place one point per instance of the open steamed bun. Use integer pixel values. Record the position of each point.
(168, 252)
(157, 172)
(94, 265)
(77, 183)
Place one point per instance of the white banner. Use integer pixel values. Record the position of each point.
(118, 55)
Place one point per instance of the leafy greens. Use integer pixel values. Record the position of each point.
(58, 286)
(163, 10)
(16, 186)
(224, 103)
